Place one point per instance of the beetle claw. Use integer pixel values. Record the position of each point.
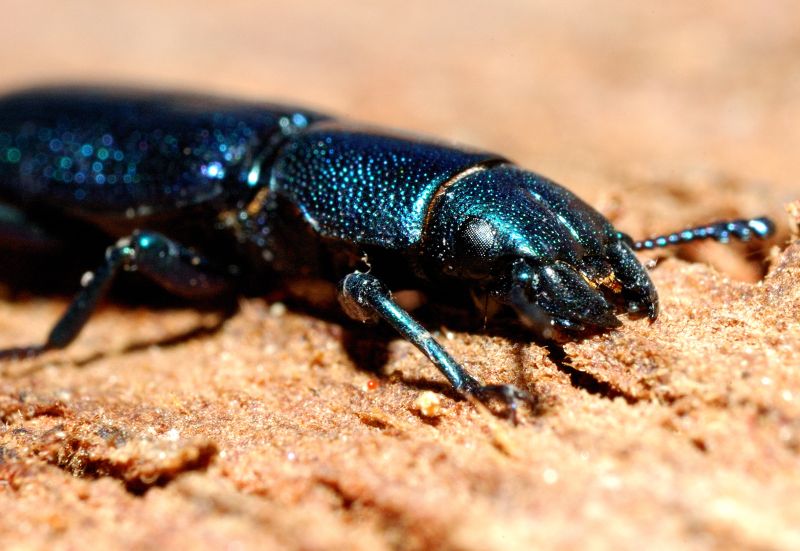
(510, 395)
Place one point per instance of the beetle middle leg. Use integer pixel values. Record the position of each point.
(172, 266)
(365, 298)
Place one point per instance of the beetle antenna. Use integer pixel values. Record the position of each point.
(743, 230)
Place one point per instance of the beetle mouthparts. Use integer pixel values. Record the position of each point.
(638, 292)
(557, 294)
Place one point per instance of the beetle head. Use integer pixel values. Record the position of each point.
(535, 246)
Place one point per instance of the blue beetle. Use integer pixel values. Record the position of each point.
(206, 196)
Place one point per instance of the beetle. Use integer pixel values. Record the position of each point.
(205, 196)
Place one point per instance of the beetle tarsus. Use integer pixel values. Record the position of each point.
(510, 395)
(21, 352)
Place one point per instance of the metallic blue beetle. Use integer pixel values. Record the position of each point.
(206, 196)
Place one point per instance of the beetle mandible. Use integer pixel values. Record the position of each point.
(206, 195)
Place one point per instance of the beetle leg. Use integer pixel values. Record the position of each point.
(365, 298)
(169, 264)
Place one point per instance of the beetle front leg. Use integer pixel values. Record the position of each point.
(169, 264)
(365, 298)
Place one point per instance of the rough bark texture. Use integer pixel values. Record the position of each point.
(176, 428)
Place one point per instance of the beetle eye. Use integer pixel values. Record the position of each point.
(476, 240)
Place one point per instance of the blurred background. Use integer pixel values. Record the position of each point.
(619, 87)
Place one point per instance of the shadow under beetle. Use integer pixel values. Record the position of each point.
(207, 195)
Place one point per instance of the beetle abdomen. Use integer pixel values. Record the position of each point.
(127, 153)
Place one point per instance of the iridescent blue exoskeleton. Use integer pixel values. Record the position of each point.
(205, 196)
